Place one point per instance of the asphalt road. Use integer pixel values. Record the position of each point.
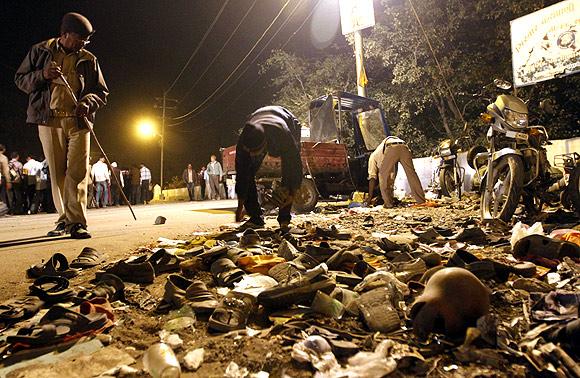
(114, 231)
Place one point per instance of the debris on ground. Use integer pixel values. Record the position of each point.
(347, 292)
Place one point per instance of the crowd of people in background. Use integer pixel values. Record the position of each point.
(206, 184)
(25, 185)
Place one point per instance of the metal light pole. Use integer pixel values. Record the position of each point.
(162, 140)
(163, 105)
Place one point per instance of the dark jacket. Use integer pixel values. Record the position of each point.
(282, 131)
(194, 176)
(29, 79)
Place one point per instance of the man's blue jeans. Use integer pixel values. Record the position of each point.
(102, 197)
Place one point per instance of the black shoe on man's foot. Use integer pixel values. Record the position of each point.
(59, 230)
(78, 231)
(253, 223)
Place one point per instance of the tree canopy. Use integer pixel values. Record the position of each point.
(471, 41)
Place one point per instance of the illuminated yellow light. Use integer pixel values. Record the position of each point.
(146, 128)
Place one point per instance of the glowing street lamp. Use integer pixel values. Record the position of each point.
(146, 129)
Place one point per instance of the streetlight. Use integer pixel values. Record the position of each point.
(147, 129)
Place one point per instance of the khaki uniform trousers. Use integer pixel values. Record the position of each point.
(66, 148)
(394, 154)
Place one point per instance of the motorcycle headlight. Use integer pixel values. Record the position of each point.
(515, 119)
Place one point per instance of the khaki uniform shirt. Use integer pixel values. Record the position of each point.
(61, 103)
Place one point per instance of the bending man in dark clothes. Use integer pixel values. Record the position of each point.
(271, 130)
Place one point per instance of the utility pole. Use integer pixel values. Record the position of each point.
(361, 76)
(164, 100)
(356, 15)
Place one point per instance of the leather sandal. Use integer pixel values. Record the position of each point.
(164, 262)
(57, 265)
(19, 308)
(180, 291)
(59, 324)
(52, 289)
(88, 258)
(226, 273)
(233, 312)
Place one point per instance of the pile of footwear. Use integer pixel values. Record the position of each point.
(54, 313)
(352, 293)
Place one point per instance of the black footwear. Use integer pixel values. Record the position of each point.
(78, 231)
(59, 230)
(254, 223)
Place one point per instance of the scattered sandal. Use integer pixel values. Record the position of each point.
(225, 272)
(57, 265)
(52, 289)
(164, 262)
(59, 324)
(233, 312)
(138, 270)
(108, 286)
(180, 290)
(88, 258)
(19, 308)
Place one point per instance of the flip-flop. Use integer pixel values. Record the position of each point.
(57, 265)
(88, 258)
(19, 308)
(225, 272)
(232, 312)
(52, 289)
(164, 262)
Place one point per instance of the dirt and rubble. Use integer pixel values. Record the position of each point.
(509, 341)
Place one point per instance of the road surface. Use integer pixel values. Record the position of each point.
(114, 231)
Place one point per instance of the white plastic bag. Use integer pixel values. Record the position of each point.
(522, 230)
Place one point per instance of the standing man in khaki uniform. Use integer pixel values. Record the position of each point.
(382, 166)
(64, 135)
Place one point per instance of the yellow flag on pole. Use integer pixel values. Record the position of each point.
(362, 78)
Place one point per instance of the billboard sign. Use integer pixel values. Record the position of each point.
(356, 15)
(546, 43)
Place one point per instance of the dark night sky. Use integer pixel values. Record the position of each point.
(142, 46)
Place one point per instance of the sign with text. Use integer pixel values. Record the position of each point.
(356, 15)
(546, 43)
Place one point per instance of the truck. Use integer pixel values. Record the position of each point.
(344, 129)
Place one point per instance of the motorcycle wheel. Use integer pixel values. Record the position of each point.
(507, 182)
(573, 189)
(447, 181)
(306, 198)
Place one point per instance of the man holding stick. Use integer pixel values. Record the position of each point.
(61, 124)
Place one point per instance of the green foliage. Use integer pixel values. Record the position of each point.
(471, 40)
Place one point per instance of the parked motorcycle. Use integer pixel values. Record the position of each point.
(449, 171)
(516, 164)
